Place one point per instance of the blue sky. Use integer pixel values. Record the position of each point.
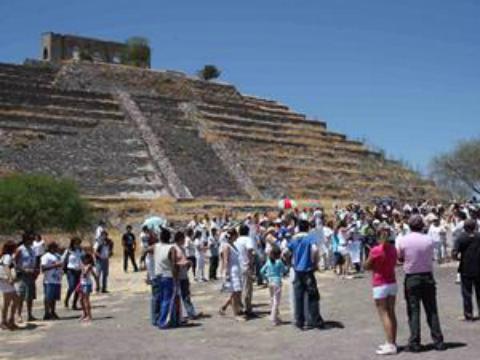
(404, 75)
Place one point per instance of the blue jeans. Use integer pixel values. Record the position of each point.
(155, 301)
(187, 301)
(102, 272)
(169, 315)
(73, 278)
(306, 297)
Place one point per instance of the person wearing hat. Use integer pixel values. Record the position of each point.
(415, 251)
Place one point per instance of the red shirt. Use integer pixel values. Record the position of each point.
(384, 259)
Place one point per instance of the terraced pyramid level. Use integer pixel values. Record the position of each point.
(128, 132)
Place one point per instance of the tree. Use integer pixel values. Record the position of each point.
(137, 52)
(209, 72)
(40, 202)
(458, 171)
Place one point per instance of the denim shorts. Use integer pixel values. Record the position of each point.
(86, 289)
(51, 292)
(384, 291)
(25, 286)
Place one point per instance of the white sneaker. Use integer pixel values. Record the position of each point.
(382, 345)
(387, 349)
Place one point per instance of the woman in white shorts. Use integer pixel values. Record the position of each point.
(10, 298)
(381, 261)
(233, 279)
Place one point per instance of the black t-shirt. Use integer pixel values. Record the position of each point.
(468, 246)
(128, 239)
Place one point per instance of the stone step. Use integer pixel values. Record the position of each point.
(256, 114)
(146, 100)
(11, 80)
(245, 121)
(64, 111)
(42, 99)
(300, 143)
(300, 126)
(190, 155)
(54, 91)
(53, 129)
(45, 119)
(265, 102)
(45, 73)
(28, 68)
(325, 158)
(246, 105)
(272, 152)
(294, 173)
(296, 134)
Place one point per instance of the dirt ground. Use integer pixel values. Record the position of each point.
(121, 327)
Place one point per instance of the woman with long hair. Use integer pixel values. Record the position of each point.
(233, 275)
(72, 260)
(10, 298)
(381, 261)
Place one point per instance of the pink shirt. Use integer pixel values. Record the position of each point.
(384, 259)
(416, 250)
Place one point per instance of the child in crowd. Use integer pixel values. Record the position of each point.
(274, 269)
(10, 298)
(85, 286)
(52, 268)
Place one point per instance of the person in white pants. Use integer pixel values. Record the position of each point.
(200, 248)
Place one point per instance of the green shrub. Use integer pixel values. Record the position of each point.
(137, 52)
(209, 72)
(40, 202)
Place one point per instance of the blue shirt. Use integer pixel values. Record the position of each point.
(274, 271)
(301, 249)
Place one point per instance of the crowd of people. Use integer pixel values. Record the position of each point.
(21, 265)
(267, 249)
(273, 247)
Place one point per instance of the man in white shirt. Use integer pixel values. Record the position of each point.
(246, 248)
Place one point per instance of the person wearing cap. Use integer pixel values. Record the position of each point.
(467, 250)
(415, 251)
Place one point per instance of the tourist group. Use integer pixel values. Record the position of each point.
(267, 249)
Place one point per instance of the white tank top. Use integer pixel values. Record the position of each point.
(163, 265)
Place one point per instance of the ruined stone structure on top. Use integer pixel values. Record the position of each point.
(60, 47)
(122, 131)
